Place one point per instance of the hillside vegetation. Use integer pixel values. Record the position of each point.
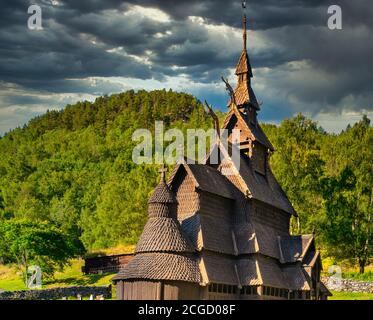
(73, 169)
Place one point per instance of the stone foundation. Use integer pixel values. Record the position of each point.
(57, 293)
(347, 285)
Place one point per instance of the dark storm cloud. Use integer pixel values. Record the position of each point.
(98, 38)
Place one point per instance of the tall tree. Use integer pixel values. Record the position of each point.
(29, 243)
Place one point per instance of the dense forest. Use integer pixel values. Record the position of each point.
(73, 169)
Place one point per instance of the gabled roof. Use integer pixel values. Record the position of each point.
(267, 240)
(271, 273)
(243, 65)
(265, 189)
(206, 178)
(324, 290)
(255, 130)
(295, 277)
(210, 233)
(244, 94)
(245, 238)
(258, 270)
(254, 185)
(294, 248)
(311, 258)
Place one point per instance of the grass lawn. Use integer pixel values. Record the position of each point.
(349, 271)
(351, 296)
(71, 276)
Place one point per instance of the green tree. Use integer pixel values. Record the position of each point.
(345, 225)
(298, 166)
(29, 243)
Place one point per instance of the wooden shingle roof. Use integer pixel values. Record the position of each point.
(249, 273)
(246, 238)
(265, 189)
(253, 130)
(206, 178)
(163, 235)
(162, 194)
(324, 290)
(294, 248)
(161, 266)
(271, 273)
(244, 94)
(163, 252)
(220, 268)
(295, 277)
(243, 65)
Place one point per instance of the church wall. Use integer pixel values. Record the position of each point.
(215, 206)
(157, 290)
(181, 291)
(259, 158)
(140, 290)
(269, 216)
(216, 218)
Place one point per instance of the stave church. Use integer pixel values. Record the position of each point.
(212, 235)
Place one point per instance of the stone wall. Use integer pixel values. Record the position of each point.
(57, 293)
(348, 285)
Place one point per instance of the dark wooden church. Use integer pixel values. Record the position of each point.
(211, 235)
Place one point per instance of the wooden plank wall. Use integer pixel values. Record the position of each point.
(156, 290)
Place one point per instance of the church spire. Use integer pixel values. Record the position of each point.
(244, 93)
(243, 66)
(244, 33)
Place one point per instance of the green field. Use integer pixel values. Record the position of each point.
(71, 276)
(10, 278)
(351, 296)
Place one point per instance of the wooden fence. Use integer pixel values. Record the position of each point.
(106, 264)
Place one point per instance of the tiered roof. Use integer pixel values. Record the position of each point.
(163, 251)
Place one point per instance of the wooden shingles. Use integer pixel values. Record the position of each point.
(220, 268)
(163, 235)
(161, 266)
(295, 277)
(294, 248)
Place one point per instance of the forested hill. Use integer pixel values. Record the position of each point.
(73, 168)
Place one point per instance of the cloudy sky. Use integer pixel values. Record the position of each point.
(91, 48)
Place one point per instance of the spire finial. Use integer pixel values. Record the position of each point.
(163, 171)
(244, 25)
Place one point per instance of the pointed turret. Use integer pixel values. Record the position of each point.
(162, 232)
(244, 94)
(163, 252)
(253, 141)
